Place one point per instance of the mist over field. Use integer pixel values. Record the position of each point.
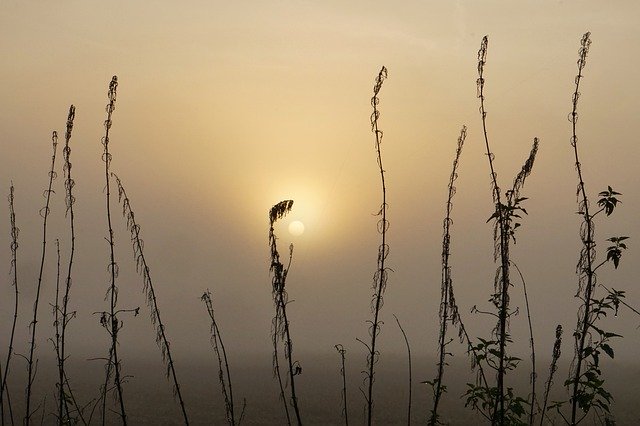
(224, 110)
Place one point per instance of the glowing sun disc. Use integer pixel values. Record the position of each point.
(296, 228)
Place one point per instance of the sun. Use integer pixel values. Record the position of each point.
(296, 228)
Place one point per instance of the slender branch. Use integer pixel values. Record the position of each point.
(380, 277)
(152, 302)
(113, 322)
(587, 277)
(280, 323)
(224, 374)
(446, 283)
(14, 271)
(532, 345)
(406, 341)
(343, 373)
(44, 213)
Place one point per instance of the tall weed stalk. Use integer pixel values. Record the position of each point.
(280, 324)
(224, 373)
(380, 277)
(14, 275)
(44, 213)
(448, 312)
(109, 319)
(149, 292)
(410, 373)
(499, 404)
(585, 381)
(69, 183)
(343, 374)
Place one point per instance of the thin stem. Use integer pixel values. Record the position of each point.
(221, 354)
(552, 369)
(380, 277)
(69, 184)
(113, 291)
(587, 254)
(531, 343)
(445, 290)
(152, 302)
(406, 341)
(44, 213)
(280, 322)
(345, 411)
(14, 270)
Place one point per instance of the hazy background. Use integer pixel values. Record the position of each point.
(224, 109)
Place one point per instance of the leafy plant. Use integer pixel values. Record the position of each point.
(499, 404)
(585, 382)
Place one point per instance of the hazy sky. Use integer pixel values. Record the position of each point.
(226, 108)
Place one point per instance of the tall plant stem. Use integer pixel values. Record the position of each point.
(224, 373)
(587, 255)
(445, 291)
(343, 373)
(503, 245)
(113, 290)
(380, 277)
(552, 369)
(14, 271)
(280, 324)
(44, 212)
(69, 184)
(534, 375)
(152, 301)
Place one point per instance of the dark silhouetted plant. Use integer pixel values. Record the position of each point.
(380, 277)
(280, 328)
(14, 275)
(406, 341)
(343, 374)
(44, 213)
(500, 404)
(552, 370)
(448, 311)
(585, 381)
(149, 292)
(109, 320)
(224, 373)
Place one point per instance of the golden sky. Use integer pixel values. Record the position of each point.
(226, 108)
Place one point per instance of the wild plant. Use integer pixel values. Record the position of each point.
(406, 341)
(499, 404)
(109, 320)
(552, 370)
(224, 374)
(280, 328)
(14, 275)
(149, 292)
(343, 374)
(66, 396)
(448, 311)
(585, 381)
(533, 376)
(44, 213)
(380, 277)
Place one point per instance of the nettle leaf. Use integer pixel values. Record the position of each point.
(608, 350)
(608, 201)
